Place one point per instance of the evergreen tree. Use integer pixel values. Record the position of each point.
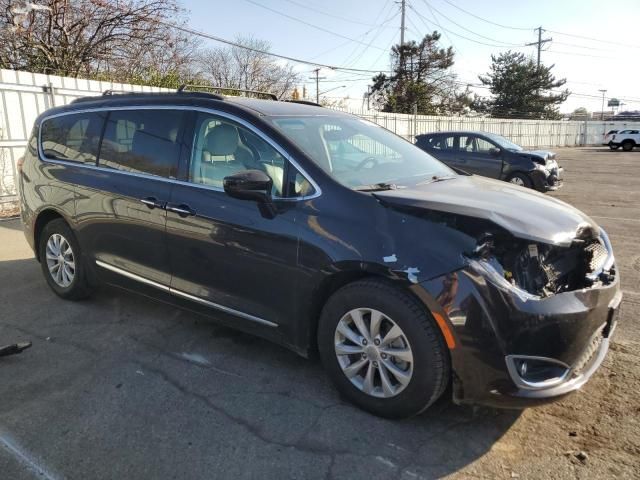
(521, 89)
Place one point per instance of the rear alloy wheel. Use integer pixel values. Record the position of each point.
(61, 261)
(382, 349)
(627, 145)
(521, 180)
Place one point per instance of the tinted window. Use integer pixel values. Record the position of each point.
(475, 144)
(72, 137)
(441, 142)
(222, 148)
(142, 141)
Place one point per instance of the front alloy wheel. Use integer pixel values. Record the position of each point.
(382, 348)
(373, 352)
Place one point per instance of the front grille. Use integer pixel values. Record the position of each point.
(597, 254)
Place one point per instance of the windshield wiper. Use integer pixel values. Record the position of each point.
(436, 178)
(376, 187)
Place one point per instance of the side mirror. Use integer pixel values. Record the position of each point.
(494, 152)
(249, 185)
(252, 185)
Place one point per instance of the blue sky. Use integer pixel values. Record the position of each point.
(374, 25)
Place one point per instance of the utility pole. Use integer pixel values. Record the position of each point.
(317, 78)
(603, 91)
(539, 43)
(403, 8)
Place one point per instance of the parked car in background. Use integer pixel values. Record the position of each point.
(494, 156)
(323, 232)
(627, 139)
(607, 139)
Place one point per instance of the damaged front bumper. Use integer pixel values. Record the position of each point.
(514, 350)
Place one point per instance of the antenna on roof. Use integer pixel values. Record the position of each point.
(256, 93)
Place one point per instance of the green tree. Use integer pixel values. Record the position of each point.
(421, 80)
(521, 89)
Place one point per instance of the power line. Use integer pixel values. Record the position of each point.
(434, 9)
(357, 52)
(321, 12)
(427, 22)
(593, 39)
(484, 19)
(317, 27)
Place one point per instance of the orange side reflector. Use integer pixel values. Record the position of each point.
(446, 332)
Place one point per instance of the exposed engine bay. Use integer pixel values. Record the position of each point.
(544, 270)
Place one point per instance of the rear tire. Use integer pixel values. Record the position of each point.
(398, 378)
(62, 262)
(521, 179)
(628, 145)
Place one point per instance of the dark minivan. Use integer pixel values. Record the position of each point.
(405, 276)
(493, 156)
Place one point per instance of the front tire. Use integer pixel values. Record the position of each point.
(382, 349)
(61, 261)
(612, 146)
(627, 145)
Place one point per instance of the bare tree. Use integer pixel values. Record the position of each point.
(121, 39)
(237, 67)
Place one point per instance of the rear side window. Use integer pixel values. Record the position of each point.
(74, 137)
(142, 141)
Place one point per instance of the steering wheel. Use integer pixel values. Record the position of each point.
(367, 160)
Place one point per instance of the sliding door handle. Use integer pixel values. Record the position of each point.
(182, 209)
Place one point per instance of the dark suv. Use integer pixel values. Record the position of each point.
(323, 232)
(494, 156)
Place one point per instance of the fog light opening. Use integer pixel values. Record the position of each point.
(536, 372)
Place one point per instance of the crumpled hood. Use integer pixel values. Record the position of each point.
(543, 154)
(525, 213)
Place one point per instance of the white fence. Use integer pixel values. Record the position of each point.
(24, 95)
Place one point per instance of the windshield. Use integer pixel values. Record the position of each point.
(360, 154)
(503, 142)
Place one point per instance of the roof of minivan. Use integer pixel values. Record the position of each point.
(252, 105)
(456, 132)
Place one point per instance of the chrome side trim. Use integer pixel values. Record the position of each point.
(217, 306)
(244, 123)
(132, 276)
(188, 296)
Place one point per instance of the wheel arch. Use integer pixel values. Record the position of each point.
(335, 282)
(43, 218)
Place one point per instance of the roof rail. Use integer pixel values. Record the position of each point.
(116, 92)
(304, 102)
(258, 93)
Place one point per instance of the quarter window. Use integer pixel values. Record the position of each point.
(73, 137)
(222, 148)
(142, 141)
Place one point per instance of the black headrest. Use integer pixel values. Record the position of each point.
(223, 139)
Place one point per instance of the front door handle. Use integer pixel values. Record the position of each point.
(152, 202)
(183, 210)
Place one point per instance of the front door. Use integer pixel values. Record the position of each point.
(227, 254)
(480, 156)
(121, 219)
